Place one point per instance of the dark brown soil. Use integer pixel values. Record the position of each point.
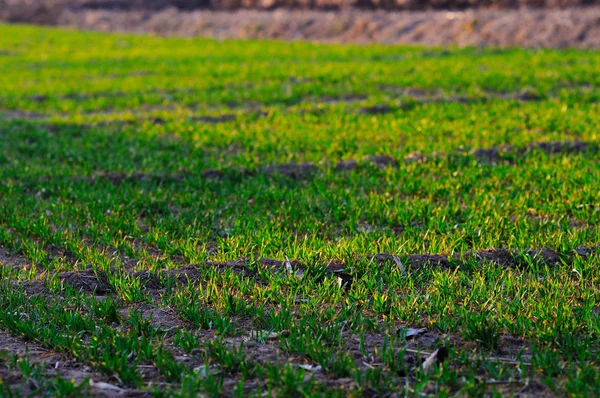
(148, 279)
(346, 165)
(12, 114)
(376, 109)
(12, 260)
(291, 170)
(53, 362)
(89, 281)
(212, 174)
(164, 318)
(215, 119)
(420, 342)
(415, 157)
(117, 178)
(32, 288)
(383, 161)
(490, 155)
(510, 258)
(506, 152)
(557, 147)
(55, 252)
(303, 171)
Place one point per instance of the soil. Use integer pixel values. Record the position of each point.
(420, 343)
(307, 170)
(291, 170)
(117, 178)
(53, 362)
(415, 157)
(541, 27)
(10, 260)
(215, 119)
(346, 165)
(148, 279)
(86, 281)
(13, 114)
(556, 147)
(504, 152)
(406, 99)
(376, 109)
(383, 161)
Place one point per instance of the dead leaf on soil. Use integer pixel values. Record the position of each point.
(401, 266)
(411, 333)
(100, 385)
(438, 356)
(311, 368)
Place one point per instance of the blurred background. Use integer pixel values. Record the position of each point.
(502, 23)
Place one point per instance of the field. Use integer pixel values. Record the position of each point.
(253, 218)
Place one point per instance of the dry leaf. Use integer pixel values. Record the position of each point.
(438, 356)
(311, 368)
(401, 266)
(412, 333)
(100, 385)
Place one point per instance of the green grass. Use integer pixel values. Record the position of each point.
(137, 208)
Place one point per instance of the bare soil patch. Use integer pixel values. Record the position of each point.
(55, 363)
(418, 93)
(302, 171)
(346, 165)
(509, 258)
(148, 279)
(14, 114)
(291, 170)
(376, 109)
(12, 260)
(383, 161)
(55, 252)
(495, 154)
(89, 281)
(227, 117)
(117, 178)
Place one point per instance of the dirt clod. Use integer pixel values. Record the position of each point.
(424, 260)
(346, 165)
(148, 279)
(383, 161)
(376, 109)
(292, 170)
(215, 119)
(556, 147)
(491, 155)
(415, 157)
(212, 174)
(89, 281)
(501, 257)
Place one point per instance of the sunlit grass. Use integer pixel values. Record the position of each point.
(142, 163)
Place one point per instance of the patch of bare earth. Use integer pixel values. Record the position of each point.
(509, 258)
(55, 364)
(422, 347)
(495, 154)
(291, 170)
(89, 281)
(117, 178)
(13, 260)
(502, 153)
(15, 114)
(215, 119)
